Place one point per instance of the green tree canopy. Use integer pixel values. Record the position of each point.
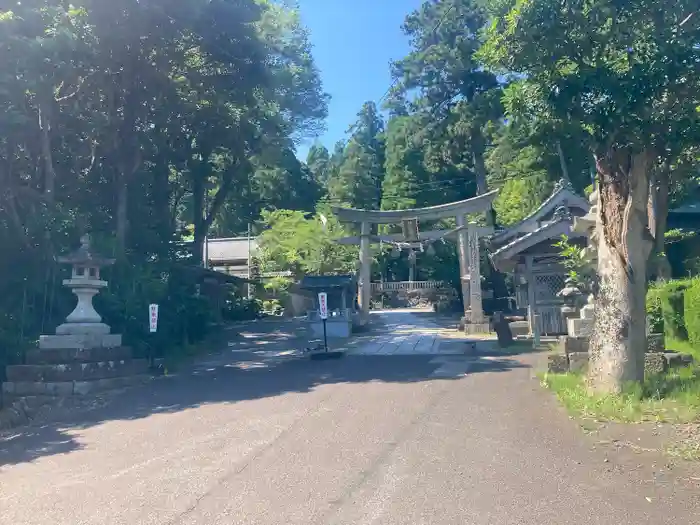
(628, 73)
(140, 122)
(304, 244)
(357, 182)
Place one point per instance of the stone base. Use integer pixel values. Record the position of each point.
(578, 361)
(520, 328)
(335, 328)
(656, 343)
(80, 341)
(70, 388)
(57, 373)
(578, 327)
(654, 362)
(57, 356)
(477, 328)
(570, 344)
(74, 365)
(557, 364)
(323, 356)
(82, 329)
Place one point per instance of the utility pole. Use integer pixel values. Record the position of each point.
(205, 262)
(249, 264)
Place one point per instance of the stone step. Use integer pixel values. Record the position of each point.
(70, 388)
(57, 356)
(57, 373)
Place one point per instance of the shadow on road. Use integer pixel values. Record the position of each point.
(231, 379)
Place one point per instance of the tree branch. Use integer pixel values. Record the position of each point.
(81, 83)
(220, 196)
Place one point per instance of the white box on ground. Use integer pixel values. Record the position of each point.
(323, 305)
(153, 317)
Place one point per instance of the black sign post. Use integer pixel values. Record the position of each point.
(325, 336)
(323, 314)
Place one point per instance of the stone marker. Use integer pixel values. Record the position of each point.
(502, 329)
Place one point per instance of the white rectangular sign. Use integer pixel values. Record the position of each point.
(323, 305)
(153, 317)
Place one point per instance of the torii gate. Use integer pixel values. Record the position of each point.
(468, 248)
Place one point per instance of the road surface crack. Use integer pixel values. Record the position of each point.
(381, 458)
(247, 462)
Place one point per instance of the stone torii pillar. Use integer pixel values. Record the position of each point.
(364, 284)
(470, 276)
(463, 256)
(476, 323)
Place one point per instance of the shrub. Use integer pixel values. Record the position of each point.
(241, 309)
(672, 308)
(692, 312)
(273, 307)
(654, 313)
(184, 316)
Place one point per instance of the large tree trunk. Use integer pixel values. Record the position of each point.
(204, 213)
(128, 159)
(46, 153)
(478, 149)
(198, 214)
(161, 205)
(619, 337)
(122, 215)
(562, 162)
(658, 219)
(125, 176)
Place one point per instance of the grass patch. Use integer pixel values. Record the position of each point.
(672, 397)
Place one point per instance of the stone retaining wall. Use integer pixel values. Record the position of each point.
(569, 345)
(573, 356)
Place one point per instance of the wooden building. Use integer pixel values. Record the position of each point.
(527, 250)
(230, 255)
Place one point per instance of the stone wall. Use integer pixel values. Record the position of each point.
(572, 356)
(568, 344)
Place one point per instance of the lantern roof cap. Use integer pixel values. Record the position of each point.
(85, 255)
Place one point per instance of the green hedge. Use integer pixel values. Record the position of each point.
(673, 309)
(666, 308)
(692, 312)
(654, 311)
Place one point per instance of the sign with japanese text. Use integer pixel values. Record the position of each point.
(153, 317)
(323, 305)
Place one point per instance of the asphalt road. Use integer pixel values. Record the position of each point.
(371, 439)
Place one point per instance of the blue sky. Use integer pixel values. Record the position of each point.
(354, 41)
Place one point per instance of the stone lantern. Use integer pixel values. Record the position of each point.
(588, 224)
(571, 295)
(85, 283)
(83, 356)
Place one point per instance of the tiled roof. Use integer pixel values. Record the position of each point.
(562, 225)
(562, 194)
